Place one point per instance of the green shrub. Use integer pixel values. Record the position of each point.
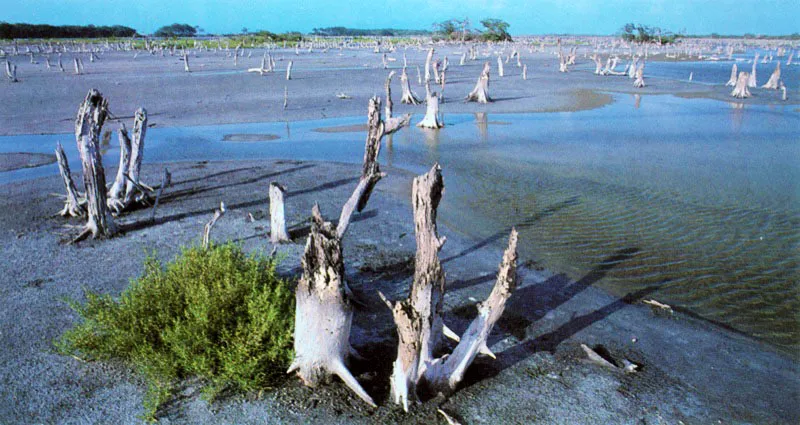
(217, 314)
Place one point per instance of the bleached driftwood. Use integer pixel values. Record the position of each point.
(72, 204)
(392, 124)
(285, 97)
(419, 318)
(324, 313)
(734, 73)
(595, 357)
(480, 93)
(88, 125)
(431, 118)
(210, 225)
(525, 71)
(116, 195)
(277, 221)
(774, 78)
(741, 90)
(289, 70)
(639, 81)
(783, 90)
(408, 96)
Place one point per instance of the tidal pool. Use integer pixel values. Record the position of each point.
(697, 199)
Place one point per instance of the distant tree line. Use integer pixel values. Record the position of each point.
(646, 34)
(358, 32)
(459, 29)
(793, 36)
(22, 30)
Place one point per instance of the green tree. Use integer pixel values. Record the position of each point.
(176, 30)
(496, 30)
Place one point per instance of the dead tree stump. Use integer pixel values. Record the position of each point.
(408, 96)
(210, 225)
(431, 118)
(134, 190)
(480, 93)
(392, 124)
(72, 205)
(639, 81)
(772, 83)
(324, 313)
(370, 173)
(88, 124)
(277, 222)
(741, 91)
(734, 73)
(419, 318)
(116, 195)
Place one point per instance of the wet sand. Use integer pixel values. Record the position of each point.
(18, 160)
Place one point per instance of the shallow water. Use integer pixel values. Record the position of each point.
(696, 199)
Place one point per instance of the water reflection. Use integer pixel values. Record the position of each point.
(637, 100)
(737, 116)
(482, 121)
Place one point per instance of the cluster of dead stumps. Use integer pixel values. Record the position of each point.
(324, 310)
(99, 203)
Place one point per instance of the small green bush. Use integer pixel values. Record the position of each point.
(217, 314)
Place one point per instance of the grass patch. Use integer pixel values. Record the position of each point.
(218, 314)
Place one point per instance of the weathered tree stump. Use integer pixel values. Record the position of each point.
(186, 62)
(277, 221)
(392, 124)
(210, 225)
(370, 172)
(774, 78)
(431, 118)
(408, 96)
(732, 81)
(525, 71)
(323, 316)
(72, 205)
(751, 79)
(500, 72)
(639, 82)
(134, 190)
(480, 93)
(741, 91)
(324, 313)
(289, 71)
(427, 65)
(11, 71)
(116, 195)
(88, 125)
(419, 318)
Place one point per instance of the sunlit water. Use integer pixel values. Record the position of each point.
(695, 199)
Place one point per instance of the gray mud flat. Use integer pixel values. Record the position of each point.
(17, 160)
(691, 371)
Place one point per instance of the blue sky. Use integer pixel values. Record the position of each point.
(525, 17)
